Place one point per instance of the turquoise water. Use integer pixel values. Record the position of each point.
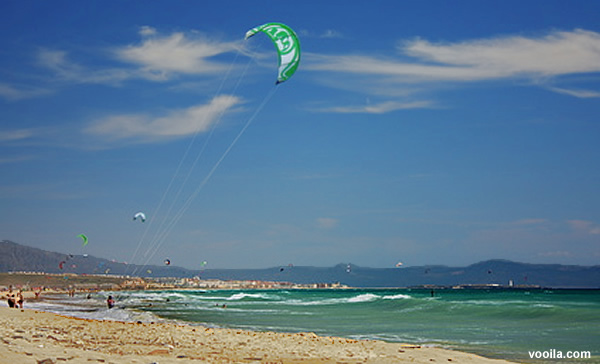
(497, 323)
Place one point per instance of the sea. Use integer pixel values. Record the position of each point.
(512, 324)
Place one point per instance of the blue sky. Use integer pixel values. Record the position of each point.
(427, 132)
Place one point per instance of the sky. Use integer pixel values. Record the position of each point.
(422, 132)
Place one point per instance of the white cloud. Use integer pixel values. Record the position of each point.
(584, 94)
(156, 58)
(380, 108)
(147, 31)
(176, 123)
(175, 53)
(422, 63)
(555, 54)
(559, 53)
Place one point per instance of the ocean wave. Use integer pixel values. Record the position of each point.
(328, 301)
(366, 297)
(396, 297)
(241, 296)
(321, 302)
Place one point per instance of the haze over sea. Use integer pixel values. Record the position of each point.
(494, 323)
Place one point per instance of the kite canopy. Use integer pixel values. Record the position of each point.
(287, 44)
(140, 215)
(84, 238)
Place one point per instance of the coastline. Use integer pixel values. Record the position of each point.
(31, 336)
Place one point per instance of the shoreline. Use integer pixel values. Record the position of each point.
(32, 336)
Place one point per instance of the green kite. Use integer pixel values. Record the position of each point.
(287, 44)
(84, 238)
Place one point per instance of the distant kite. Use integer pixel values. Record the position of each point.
(84, 238)
(140, 215)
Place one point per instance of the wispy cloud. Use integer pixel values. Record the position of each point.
(330, 33)
(175, 53)
(157, 57)
(557, 53)
(420, 63)
(175, 123)
(65, 70)
(584, 227)
(15, 135)
(325, 34)
(379, 108)
(583, 94)
(14, 93)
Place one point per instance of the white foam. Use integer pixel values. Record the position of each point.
(241, 296)
(367, 297)
(396, 297)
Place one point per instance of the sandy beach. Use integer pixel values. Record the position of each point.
(30, 336)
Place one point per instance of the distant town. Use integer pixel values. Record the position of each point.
(94, 282)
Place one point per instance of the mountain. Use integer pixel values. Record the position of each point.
(15, 257)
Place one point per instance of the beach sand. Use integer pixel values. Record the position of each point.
(30, 336)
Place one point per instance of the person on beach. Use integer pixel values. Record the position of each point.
(20, 299)
(11, 298)
(110, 302)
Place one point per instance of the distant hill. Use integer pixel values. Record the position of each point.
(488, 272)
(15, 257)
